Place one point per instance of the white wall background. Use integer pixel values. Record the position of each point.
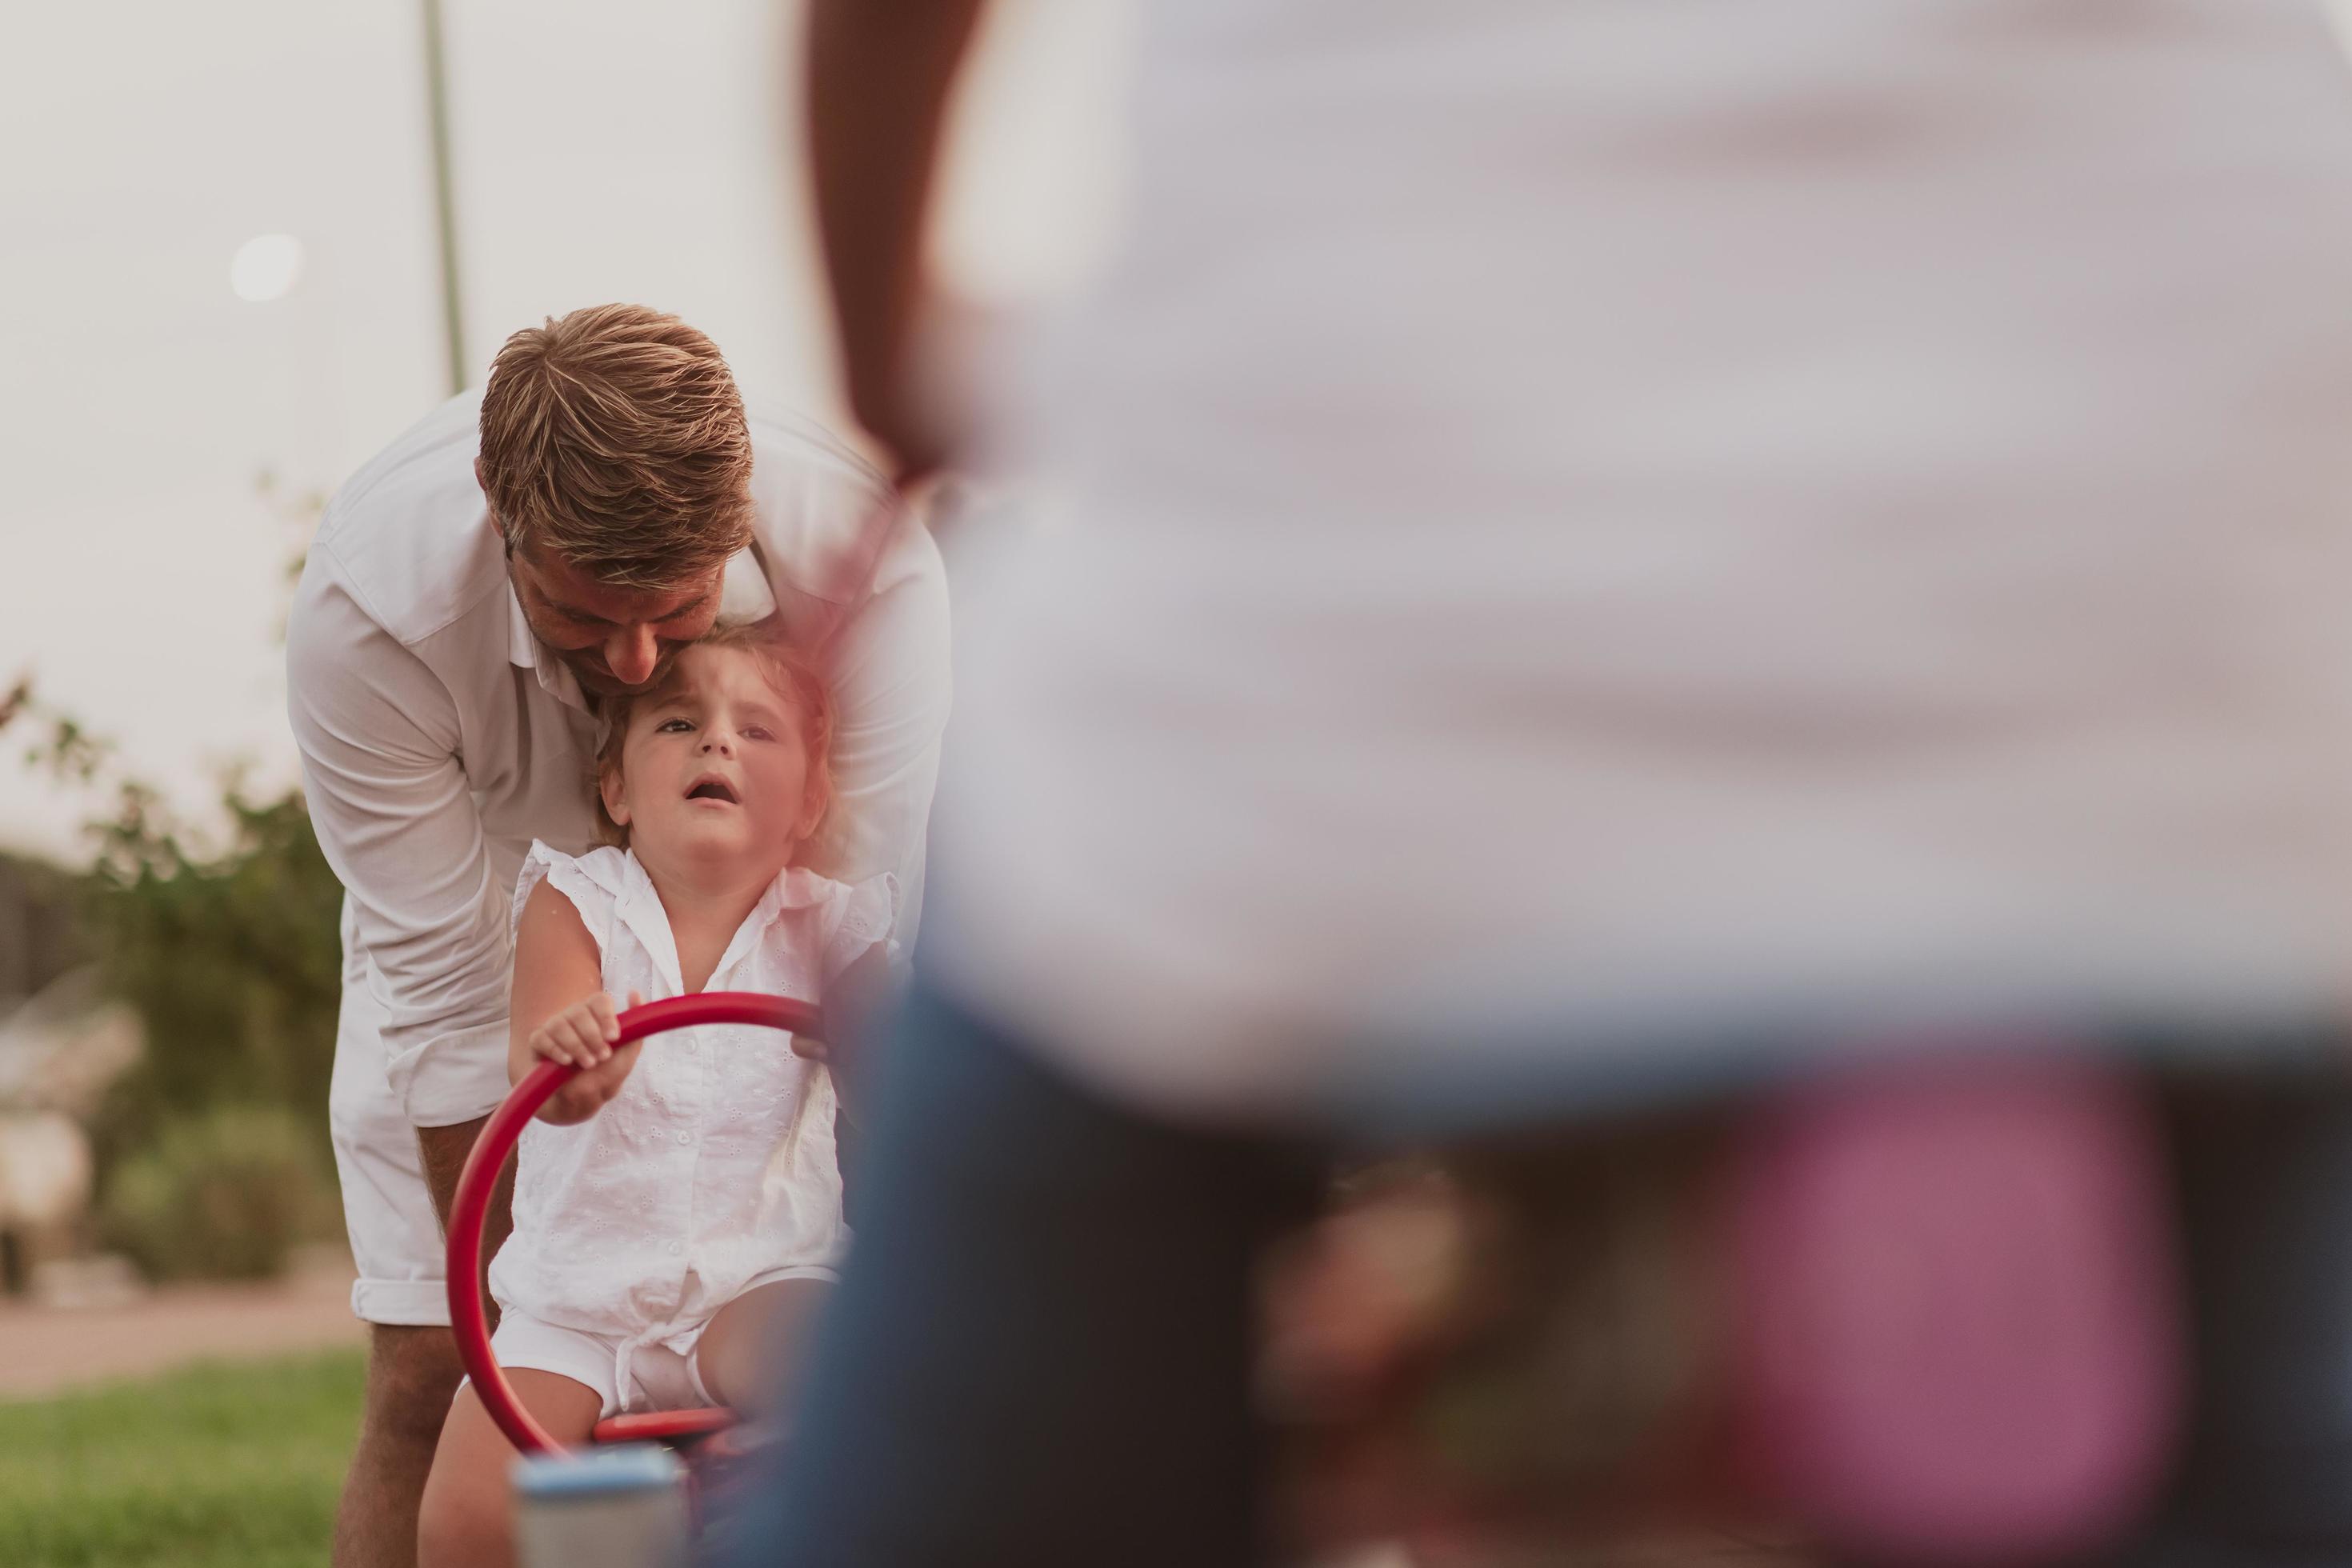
(605, 149)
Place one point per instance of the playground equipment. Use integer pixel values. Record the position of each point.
(470, 1209)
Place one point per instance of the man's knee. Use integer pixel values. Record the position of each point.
(412, 1375)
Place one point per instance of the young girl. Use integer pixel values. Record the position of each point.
(677, 1209)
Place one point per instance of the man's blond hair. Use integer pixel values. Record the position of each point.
(615, 438)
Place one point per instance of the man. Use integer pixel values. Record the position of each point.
(1614, 535)
(471, 594)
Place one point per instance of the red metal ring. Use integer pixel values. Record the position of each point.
(469, 1211)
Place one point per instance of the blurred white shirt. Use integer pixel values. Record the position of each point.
(439, 738)
(1629, 518)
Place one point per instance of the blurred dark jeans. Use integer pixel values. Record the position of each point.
(2263, 1162)
(1040, 1351)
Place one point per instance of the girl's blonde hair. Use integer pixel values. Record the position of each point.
(789, 673)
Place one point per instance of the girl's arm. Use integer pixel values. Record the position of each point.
(559, 1011)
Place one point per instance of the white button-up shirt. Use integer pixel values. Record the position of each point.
(714, 1168)
(439, 738)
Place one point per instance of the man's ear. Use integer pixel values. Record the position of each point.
(616, 795)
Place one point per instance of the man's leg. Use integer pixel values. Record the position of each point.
(395, 1211)
(413, 1376)
(393, 1215)
(1040, 1351)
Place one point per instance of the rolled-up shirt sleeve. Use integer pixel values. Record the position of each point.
(397, 821)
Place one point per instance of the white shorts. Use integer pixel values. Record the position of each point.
(658, 1377)
(395, 1235)
(654, 1377)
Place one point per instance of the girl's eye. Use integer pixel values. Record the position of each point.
(759, 732)
(672, 727)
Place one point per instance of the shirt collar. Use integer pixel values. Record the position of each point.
(639, 907)
(744, 594)
(522, 644)
(795, 887)
(525, 651)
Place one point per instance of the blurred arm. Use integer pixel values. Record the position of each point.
(879, 72)
(857, 1004)
(891, 679)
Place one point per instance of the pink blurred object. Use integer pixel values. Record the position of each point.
(1960, 1334)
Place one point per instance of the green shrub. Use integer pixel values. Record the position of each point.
(223, 1195)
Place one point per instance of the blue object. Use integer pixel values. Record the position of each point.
(621, 1471)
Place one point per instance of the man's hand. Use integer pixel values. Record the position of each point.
(582, 1035)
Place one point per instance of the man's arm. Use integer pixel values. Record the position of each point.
(878, 76)
(396, 821)
(890, 674)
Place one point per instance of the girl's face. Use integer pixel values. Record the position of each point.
(717, 767)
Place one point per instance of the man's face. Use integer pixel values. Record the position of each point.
(612, 640)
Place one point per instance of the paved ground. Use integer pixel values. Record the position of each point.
(46, 1348)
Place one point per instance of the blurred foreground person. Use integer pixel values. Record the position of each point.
(1625, 553)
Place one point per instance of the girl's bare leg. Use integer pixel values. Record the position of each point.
(750, 1357)
(468, 1516)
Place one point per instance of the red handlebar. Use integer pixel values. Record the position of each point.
(470, 1208)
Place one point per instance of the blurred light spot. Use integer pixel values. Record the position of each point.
(265, 267)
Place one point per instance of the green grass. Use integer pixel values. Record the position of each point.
(218, 1464)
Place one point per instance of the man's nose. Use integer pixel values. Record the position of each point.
(631, 653)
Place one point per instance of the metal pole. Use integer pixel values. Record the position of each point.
(445, 201)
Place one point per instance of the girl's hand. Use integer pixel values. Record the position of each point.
(581, 1036)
